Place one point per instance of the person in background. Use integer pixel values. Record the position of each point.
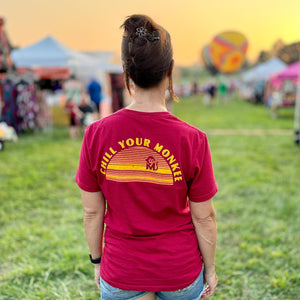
(73, 88)
(95, 92)
(223, 91)
(149, 177)
(88, 108)
(259, 91)
(117, 88)
(212, 90)
(75, 115)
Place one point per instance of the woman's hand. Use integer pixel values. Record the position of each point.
(97, 275)
(211, 279)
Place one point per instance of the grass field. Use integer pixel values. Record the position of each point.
(43, 252)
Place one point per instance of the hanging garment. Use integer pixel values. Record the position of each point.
(9, 111)
(27, 107)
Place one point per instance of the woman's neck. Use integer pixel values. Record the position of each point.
(149, 100)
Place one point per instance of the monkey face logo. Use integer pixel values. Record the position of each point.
(151, 164)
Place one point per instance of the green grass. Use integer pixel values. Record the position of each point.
(258, 217)
(235, 114)
(43, 252)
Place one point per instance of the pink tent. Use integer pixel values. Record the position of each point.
(291, 72)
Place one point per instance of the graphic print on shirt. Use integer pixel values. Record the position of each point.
(140, 160)
(151, 164)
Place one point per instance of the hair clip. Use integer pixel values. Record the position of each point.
(141, 32)
(155, 36)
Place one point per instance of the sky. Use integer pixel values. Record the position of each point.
(95, 24)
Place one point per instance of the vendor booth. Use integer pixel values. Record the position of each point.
(49, 55)
(290, 78)
(15, 114)
(255, 80)
(51, 60)
(286, 81)
(291, 72)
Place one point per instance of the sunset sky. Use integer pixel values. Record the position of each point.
(94, 24)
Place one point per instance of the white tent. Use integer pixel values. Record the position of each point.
(49, 52)
(46, 53)
(94, 64)
(263, 71)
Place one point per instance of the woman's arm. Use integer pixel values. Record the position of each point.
(94, 209)
(204, 220)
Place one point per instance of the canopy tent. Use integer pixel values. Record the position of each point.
(49, 54)
(263, 71)
(46, 53)
(94, 64)
(47, 72)
(291, 72)
(44, 58)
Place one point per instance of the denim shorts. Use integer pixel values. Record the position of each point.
(192, 292)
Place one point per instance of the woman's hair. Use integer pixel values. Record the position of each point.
(147, 52)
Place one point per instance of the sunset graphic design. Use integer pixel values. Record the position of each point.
(139, 164)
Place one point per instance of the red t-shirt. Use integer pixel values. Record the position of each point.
(147, 165)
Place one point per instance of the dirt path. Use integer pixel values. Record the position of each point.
(250, 132)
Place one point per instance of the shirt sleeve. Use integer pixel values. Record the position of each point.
(85, 177)
(202, 186)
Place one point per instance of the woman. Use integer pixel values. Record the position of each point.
(149, 177)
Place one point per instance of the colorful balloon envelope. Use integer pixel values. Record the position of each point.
(227, 51)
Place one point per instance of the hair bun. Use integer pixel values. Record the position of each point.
(135, 22)
(147, 53)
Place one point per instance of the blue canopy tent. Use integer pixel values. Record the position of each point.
(46, 53)
(263, 71)
(49, 53)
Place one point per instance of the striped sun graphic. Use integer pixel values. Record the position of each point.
(139, 164)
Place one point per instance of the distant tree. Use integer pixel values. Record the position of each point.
(263, 56)
(290, 53)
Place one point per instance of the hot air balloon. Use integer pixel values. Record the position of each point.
(226, 52)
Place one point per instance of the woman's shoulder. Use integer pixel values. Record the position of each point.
(189, 129)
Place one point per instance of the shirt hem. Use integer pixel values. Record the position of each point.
(151, 287)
